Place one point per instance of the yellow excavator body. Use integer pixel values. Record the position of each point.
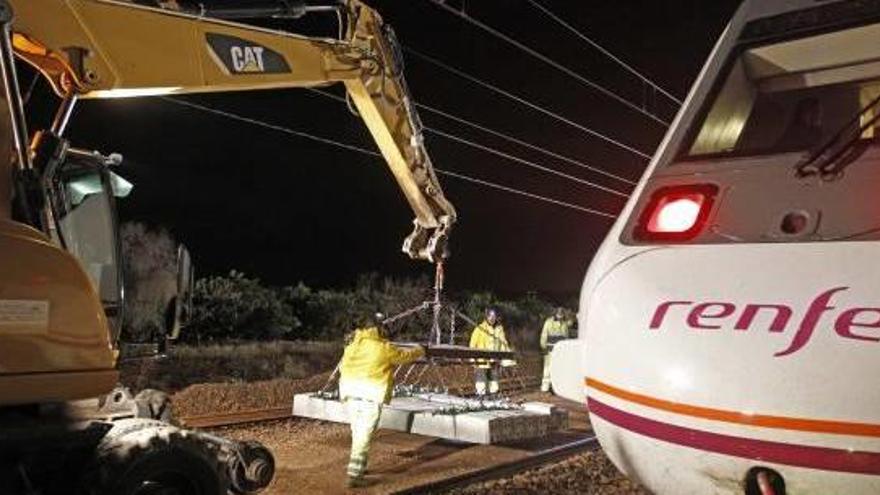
(105, 49)
(54, 338)
(60, 281)
(109, 48)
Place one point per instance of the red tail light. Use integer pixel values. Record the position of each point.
(676, 213)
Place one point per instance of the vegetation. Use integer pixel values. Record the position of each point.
(243, 331)
(150, 257)
(236, 307)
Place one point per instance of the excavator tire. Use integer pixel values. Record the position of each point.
(153, 404)
(166, 464)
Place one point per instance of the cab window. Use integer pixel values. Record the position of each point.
(790, 96)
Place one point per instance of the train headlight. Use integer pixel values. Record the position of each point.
(676, 213)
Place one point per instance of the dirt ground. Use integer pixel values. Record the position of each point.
(590, 473)
(210, 398)
(311, 457)
(242, 363)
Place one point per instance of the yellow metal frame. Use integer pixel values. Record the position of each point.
(106, 48)
(102, 48)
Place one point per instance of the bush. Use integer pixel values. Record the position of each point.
(329, 314)
(150, 258)
(238, 307)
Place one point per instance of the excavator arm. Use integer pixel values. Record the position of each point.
(108, 48)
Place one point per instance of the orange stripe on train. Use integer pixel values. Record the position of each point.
(760, 420)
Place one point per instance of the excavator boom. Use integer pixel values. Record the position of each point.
(62, 298)
(108, 48)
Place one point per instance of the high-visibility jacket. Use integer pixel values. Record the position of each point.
(368, 362)
(553, 331)
(488, 338)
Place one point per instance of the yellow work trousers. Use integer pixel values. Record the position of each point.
(363, 416)
(545, 381)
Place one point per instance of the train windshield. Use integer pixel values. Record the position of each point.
(792, 96)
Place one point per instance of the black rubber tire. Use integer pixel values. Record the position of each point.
(154, 404)
(168, 466)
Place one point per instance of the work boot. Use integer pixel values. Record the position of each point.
(356, 482)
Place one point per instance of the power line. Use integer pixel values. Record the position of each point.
(525, 144)
(523, 161)
(523, 101)
(365, 151)
(540, 56)
(508, 156)
(604, 51)
(528, 194)
(286, 130)
(499, 134)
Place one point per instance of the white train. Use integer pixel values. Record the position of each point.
(730, 322)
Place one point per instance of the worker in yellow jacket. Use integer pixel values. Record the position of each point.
(365, 384)
(488, 336)
(555, 329)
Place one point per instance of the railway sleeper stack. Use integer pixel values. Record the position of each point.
(431, 415)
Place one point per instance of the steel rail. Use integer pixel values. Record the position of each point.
(237, 417)
(507, 469)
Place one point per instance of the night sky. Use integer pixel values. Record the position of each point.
(286, 209)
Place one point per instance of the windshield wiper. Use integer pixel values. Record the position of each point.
(833, 155)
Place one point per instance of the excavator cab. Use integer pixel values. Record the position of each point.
(82, 193)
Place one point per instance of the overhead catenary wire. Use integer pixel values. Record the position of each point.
(645, 79)
(508, 156)
(376, 154)
(507, 94)
(526, 144)
(499, 134)
(286, 130)
(547, 60)
(523, 161)
(528, 194)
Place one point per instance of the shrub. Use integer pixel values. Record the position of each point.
(150, 260)
(238, 307)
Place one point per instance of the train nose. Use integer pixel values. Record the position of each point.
(701, 373)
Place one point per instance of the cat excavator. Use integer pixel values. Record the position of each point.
(65, 427)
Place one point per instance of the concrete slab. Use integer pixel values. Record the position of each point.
(433, 418)
(558, 416)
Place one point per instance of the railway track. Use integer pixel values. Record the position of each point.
(479, 474)
(236, 418)
(507, 469)
(271, 414)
